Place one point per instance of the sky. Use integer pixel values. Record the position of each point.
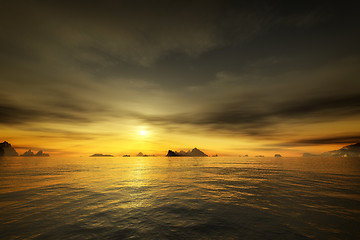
(228, 77)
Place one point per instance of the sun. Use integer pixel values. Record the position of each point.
(142, 132)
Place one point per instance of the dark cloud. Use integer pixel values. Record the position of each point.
(101, 33)
(140, 32)
(324, 108)
(15, 114)
(327, 140)
(225, 67)
(259, 120)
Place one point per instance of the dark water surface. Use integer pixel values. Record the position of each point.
(179, 198)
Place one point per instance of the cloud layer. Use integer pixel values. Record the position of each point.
(256, 70)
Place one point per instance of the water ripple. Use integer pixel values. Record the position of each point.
(186, 198)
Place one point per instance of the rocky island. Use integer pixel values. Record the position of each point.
(7, 150)
(101, 155)
(193, 153)
(347, 151)
(352, 150)
(29, 153)
(140, 154)
(41, 154)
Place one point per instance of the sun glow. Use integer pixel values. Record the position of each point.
(142, 132)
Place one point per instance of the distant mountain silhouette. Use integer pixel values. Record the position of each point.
(140, 154)
(193, 153)
(347, 151)
(28, 153)
(41, 154)
(101, 155)
(7, 150)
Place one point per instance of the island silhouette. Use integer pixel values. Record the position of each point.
(193, 153)
(352, 150)
(140, 154)
(101, 155)
(29, 153)
(7, 150)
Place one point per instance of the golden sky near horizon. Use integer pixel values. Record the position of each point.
(228, 78)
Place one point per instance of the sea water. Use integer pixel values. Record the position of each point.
(179, 198)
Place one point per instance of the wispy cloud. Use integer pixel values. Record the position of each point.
(346, 139)
(226, 68)
(137, 33)
(56, 112)
(244, 117)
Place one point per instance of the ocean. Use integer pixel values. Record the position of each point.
(179, 198)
